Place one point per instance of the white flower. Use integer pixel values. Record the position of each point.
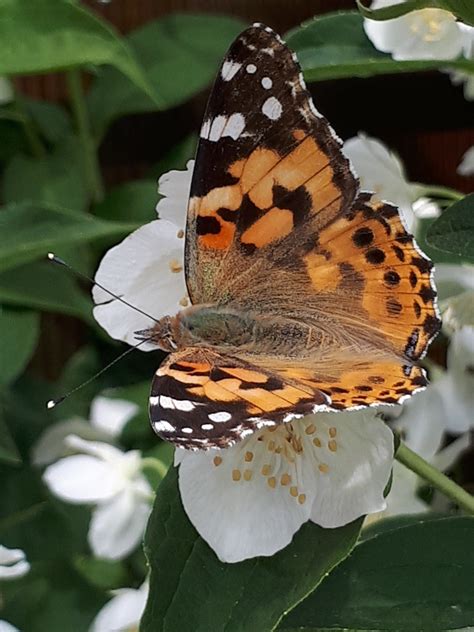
(7, 627)
(456, 387)
(123, 612)
(13, 563)
(422, 425)
(112, 481)
(107, 420)
(466, 167)
(422, 34)
(381, 171)
(146, 268)
(7, 94)
(250, 499)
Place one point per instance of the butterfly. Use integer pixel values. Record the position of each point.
(307, 294)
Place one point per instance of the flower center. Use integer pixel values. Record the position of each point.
(430, 24)
(281, 453)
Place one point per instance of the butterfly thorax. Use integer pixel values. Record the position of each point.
(231, 329)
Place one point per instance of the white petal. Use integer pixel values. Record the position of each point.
(7, 94)
(357, 472)
(123, 612)
(382, 172)
(422, 422)
(466, 167)
(83, 479)
(111, 415)
(452, 279)
(450, 454)
(174, 186)
(7, 627)
(422, 34)
(146, 270)
(117, 527)
(12, 563)
(51, 444)
(250, 499)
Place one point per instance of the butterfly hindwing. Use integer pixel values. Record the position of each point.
(201, 399)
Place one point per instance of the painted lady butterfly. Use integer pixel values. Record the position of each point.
(308, 295)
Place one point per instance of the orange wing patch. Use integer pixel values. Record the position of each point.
(362, 383)
(369, 257)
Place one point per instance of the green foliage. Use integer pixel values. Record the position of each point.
(453, 231)
(30, 230)
(58, 35)
(335, 46)
(19, 330)
(179, 54)
(191, 589)
(411, 574)
(462, 9)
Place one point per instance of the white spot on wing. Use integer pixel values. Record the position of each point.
(251, 69)
(207, 426)
(183, 404)
(219, 417)
(187, 430)
(267, 83)
(154, 401)
(272, 108)
(217, 127)
(164, 426)
(229, 69)
(205, 129)
(166, 402)
(235, 126)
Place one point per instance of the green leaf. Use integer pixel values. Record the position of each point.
(453, 231)
(190, 589)
(56, 179)
(132, 201)
(53, 121)
(462, 9)
(41, 286)
(19, 331)
(410, 577)
(335, 46)
(61, 34)
(30, 231)
(180, 55)
(9, 454)
(107, 574)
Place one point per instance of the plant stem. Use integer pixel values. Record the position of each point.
(91, 163)
(433, 190)
(437, 479)
(155, 464)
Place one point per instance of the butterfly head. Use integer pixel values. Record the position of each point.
(163, 334)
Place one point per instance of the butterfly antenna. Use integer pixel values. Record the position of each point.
(52, 257)
(55, 402)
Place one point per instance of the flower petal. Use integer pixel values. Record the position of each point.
(380, 171)
(403, 498)
(12, 563)
(83, 479)
(7, 627)
(51, 445)
(250, 499)
(174, 186)
(466, 167)
(123, 612)
(146, 270)
(356, 472)
(422, 422)
(117, 527)
(111, 415)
